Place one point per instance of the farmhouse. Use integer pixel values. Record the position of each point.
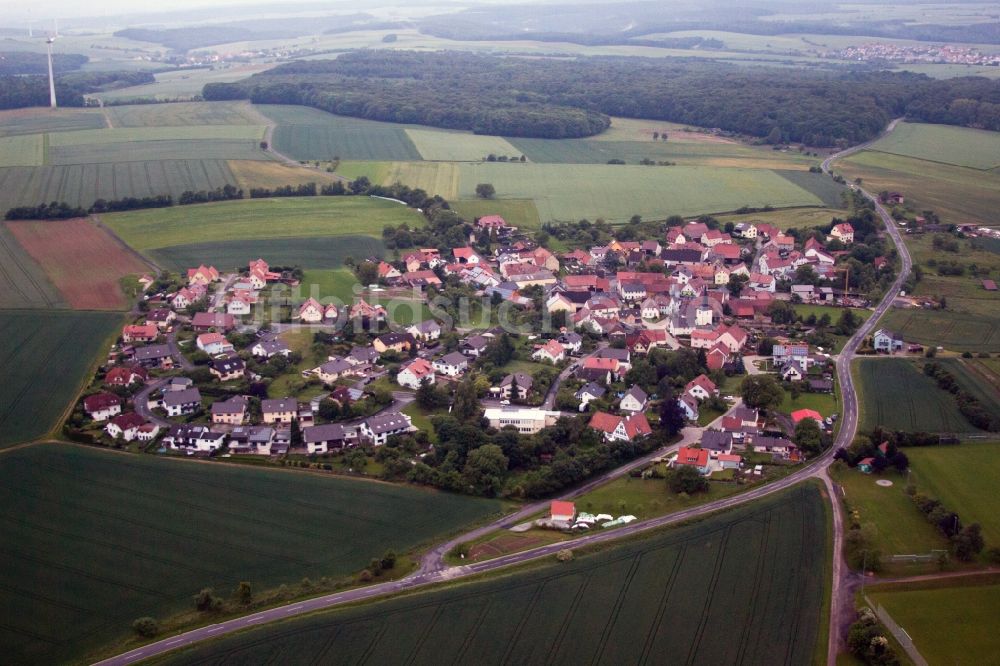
(283, 410)
(379, 428)
(180, 403)
(102, 406)
(527, 420)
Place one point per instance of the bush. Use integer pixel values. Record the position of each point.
(206, 600)
(565, 555)
(146, 627)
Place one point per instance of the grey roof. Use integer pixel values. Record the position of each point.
(387, 422)
(227, 365)
(281, 405)
(271, 347)
(476, 342)
(454, 358)
(637, 393)
(523, 381)
(233, 405)
(427, 326)
(622, 355)
(593, 389)
(773, 442)
(744, 413)
(150, 352)
(332, 432)
(178, 398)
(389, 339)
(570, 337)
(714, 440)
(335, 367)
(364, 354)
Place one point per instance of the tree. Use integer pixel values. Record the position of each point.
(761, 391)
(485, 191)
(206, 600)
(485, 470)
(146, 627)
(388, 560)
(808, 437)
(466, 405)
(263, 145)
(244, 593)
(672, 418)
(687, 479)
(968, 543)
(367, 272)
(774, 136)
(429, 397)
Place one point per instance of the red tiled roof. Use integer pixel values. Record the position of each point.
(604, 422)
(559, 508)
(688, 456)
(800, 414)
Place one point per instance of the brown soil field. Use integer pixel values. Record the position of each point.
(83, 261)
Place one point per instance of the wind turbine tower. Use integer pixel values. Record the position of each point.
(52, 80)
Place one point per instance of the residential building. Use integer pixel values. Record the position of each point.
(102, 406)
(270, 349)
(527, 420)
(126, 375)
(620, 428)
(251, 439)
(552, 351)
(688, 457)
(716, 442)
(204, 322)
(562, 512)
(125, 426)
(325, 438)
(843, 232)
(885, 340)
(701, 388)
(524, 383)
(333, 370)
(415, 373)
(634, 400)
(397, 342)
(181, 403)
(282, 410)
(213, 343)
(194, 438)
(140, 333)
(588, 393)
(425, 331)
(232, 411)
(379, 428)
(227, 369)
(451, 365)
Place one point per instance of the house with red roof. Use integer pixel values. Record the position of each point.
(491, 222)
(140, 333)
(362, 309)
(206, 321)
(466, 255)
(416, 373)
(203, 275)
(551, 351)
(126, 375)
(620, 428)
(717, 357)
(800, 414)
(125, 426)
(562, 512)
(688, 457)
(701, 388)
(213, 343)
(102, 406)
(843, 232)
(387, 271)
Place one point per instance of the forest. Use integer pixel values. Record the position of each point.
(26, 62)
(18, 92)
(573, 98)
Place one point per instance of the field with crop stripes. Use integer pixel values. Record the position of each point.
(962, 146)
(82, 184)
(895, 394)
(952, 330)
(183, 114)
(143, 151)
(82, 260)
(33, 121)
(92, 540)
(44, 356)
(459, 146)
(23, 283)
(22, 150)
(742, 587)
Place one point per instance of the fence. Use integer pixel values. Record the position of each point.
(898, 633)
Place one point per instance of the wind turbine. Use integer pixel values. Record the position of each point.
(52, 80)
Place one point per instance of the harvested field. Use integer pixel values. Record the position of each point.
(94, 539)
(23, 283)
(182, 114)
(34, 121)
(895, 394)
(45, 357)
(83, 261)
(82, 184)
(753, 571)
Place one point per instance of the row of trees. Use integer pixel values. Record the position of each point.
(17, 92)
(560, 99)
(970, 406)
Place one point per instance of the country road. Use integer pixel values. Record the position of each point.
(432, 569)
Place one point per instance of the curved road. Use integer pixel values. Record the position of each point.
(433, 570)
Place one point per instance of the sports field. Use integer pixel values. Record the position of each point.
(45, 356)
(956, 331)
(569, 192)
(183, 114)
(23, 283)
(951, 622)
(94, 539)
(436, 145)
(82, 184)
(969, 489)
(82, 260)
(252, 219)
(310, 134)
(756, 573)
(895, 394)
(314, 252)
(961, 146)
(959, 195)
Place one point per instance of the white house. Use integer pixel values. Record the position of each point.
(688, 405)
(196, 437)
(887, 341)
(213, 343)
(551, 351)
(102, 406)
(125, 426)
(843, 232)
(179, 403)
(379, 428)
(527, 420)
(425, 331)
(634, 400)
(451, 365)
(323, 438)
(270, 349)
(415, 373)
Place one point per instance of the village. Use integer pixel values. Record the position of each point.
(627, 336)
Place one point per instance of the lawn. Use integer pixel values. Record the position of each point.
(895, 394)
(520, 213)
(901, 527)
(81, 259)
(252, 219)
(23, 283)
(94, 539)
(659, 598)
(648, 498)
(801, 218)
(968, 488)
(961, 146)
(952, 623)
(952, 330)
(441, 146)
(568, 192)
(959, 195)
(824, 403)
(82, 184)
(324, 284)
(22, 150)
(183, 114)
(45, 357)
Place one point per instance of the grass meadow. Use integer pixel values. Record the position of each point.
(961, 146)
(751, 572)
(94, 539)
(950, 622)
(258, 219)
(568, 192)
(895, 394)
(325, 252)
(23, 282)
(45, 356)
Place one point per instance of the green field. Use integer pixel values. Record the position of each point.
(94, 539)
(756, 573)
(900, 526)
(976, 380)
(184, 83)
(23, 283)
(788, 218)
(44, 356)
(253, 219)
(432, 177)
(82, 184)
(35, 121)
(895, 394)
(959, 195)
(22, 150)
(968, 488)
(951, 623)
(184, 114)
(140, 134)
(951, 330)
(145, 151)
(961, 146)
(314, 252)
(441, 146)
(520, 213)
(568, 192)
(309, 134)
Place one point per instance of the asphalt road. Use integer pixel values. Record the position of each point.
(433, 570)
